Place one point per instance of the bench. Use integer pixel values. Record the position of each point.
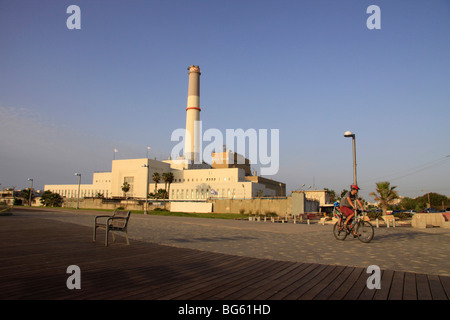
(117, 222)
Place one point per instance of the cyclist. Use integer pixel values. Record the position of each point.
(348, 205)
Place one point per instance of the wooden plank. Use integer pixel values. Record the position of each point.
(437, 292)
(423, 287)
(446, 285)
(385, 285)
(410, 287)
(396, 292)
(361, 282)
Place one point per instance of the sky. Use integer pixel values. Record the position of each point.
(311, 69)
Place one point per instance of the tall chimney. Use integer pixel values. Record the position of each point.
(192, 135)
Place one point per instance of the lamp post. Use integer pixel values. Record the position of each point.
(146, 188)
(79, 183)
(349, 134)
(31, 191)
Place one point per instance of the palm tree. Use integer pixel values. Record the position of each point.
(385, 194)
(168, 179)
(156, 178)
(125, 188)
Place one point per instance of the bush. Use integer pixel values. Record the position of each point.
(374, 215)
(270, 214)
(403, 215)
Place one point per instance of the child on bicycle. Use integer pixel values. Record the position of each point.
(347, 204)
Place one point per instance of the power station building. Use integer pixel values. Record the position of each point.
(194, 180)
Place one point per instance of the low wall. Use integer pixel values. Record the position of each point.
(281, 207)
(90, 203)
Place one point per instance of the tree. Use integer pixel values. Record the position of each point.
(385, 194)
(168, 179)
(125, 188)
(332, 194)
(26, 195)
(50, 199)
(408, 203)
(156, 178)
(436, 201)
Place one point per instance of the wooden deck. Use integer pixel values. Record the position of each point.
(35, 254)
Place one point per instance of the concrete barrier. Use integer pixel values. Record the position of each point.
(425, 220)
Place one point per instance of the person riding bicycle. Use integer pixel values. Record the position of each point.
(347, 205)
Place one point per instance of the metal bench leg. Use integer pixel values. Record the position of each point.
(126, 235)
(106, 240)
(95, 232)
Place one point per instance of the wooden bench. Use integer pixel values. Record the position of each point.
(117, 222)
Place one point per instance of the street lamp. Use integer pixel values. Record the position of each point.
(31, 191)
(79, 183)
(349, 134)
(146, 188)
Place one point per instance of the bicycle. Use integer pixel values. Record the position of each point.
(359, 227)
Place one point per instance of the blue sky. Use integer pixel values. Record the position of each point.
(311, 69)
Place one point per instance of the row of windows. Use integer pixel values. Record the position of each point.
(83, 193)
(201, 179)
(199, 194)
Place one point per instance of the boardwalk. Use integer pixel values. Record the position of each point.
(35, 254)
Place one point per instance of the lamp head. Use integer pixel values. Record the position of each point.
(349, 134)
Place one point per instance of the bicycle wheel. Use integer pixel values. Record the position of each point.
(339, 232)
(365, 231)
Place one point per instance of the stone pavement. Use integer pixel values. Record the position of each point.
(399, 249)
